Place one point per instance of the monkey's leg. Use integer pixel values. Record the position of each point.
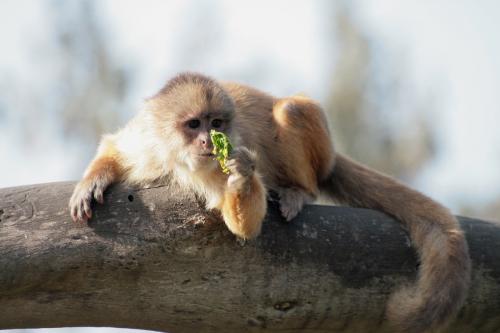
(292, 200)
(102, 171)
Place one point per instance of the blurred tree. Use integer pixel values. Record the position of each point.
(91, 88)
(492, 211)
(489, 211)
(363, 111)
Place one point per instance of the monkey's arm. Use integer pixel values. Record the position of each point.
(244, 205)
(105, 169)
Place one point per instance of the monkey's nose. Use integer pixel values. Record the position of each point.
(206, 144)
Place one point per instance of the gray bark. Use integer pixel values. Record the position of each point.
(153, 259)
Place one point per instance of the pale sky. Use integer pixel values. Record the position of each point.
(453, 46)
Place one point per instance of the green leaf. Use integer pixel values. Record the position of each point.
(222, 148)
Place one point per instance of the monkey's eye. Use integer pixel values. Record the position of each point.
(216, 123)
(194, 123)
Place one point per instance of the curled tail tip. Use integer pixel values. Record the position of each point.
(410, 310)
(438, 295)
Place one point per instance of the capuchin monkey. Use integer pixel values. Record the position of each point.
(281, 145)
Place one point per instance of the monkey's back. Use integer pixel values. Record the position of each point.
(290, 136)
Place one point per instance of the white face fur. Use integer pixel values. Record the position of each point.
(185, 113)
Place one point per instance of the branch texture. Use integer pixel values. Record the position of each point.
(154, 259)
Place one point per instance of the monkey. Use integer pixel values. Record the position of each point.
(282, 146)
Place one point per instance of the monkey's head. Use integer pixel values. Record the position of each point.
(184, 112)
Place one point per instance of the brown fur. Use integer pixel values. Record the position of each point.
(283, 145)
(304, 139)
(107, 166)
(243, 212)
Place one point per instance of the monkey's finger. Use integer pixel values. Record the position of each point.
(73, 213)
(77, 215)
(98, 195)
(86, 209)
(76, 210)
(81, 211)
(244, 170)
(231, 164)
(244, 154)
(88, 214)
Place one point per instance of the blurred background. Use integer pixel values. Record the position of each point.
(410, 88)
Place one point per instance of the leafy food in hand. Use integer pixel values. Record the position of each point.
(222, 148)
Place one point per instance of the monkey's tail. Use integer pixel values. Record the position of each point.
(444, 271)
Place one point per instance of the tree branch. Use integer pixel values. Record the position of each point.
(153, 259)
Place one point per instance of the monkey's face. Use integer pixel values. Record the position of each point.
(196, 135)
(186, 110)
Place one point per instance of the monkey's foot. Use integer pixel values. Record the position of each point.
(291, 201)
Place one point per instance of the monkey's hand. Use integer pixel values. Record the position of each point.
(80, 202)
(241, 165)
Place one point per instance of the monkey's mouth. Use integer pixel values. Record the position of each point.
(206, 155)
